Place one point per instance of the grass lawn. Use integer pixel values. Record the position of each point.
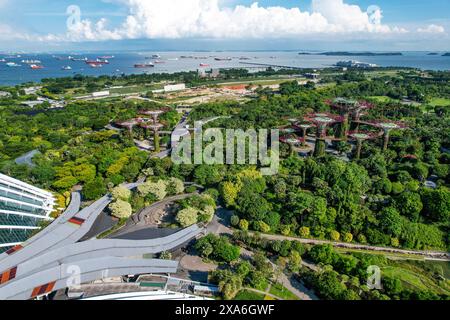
(248, 295)
(280, 291)
(381, 98)
(263, 286)
(440, 102)
(413, 279)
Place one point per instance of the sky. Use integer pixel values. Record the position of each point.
(59, 25)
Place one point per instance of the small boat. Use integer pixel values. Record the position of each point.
(36, 66)
(2, 60)
(95, 65)
(204, 65)
(172, 59)
(158, 61)
(66, 68)
(12, 64)
(223, 59)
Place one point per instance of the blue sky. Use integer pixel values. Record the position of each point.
(316, 24)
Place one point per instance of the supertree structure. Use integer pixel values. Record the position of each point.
(288, 135)
(322, 121)
(387, 126)
(304, 128)
(360, 137)
(128, 124)
(152, 113)
(153, 125)
(350, 110)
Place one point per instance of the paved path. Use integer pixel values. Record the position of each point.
(221, 225)
(429, 255)
(137, 221)
(297, 288)
(27, 158)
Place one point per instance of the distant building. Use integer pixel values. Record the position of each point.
(22, 208)
(175, 87)
(215, 73)
(312, 76)
(206, 290)
(32, 90)
(32, 104)
(4, 94)
(355, 64)
(100, 94)
(212, 73)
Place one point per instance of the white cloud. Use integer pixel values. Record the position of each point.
(432, 28)
(8, 33)
(209, 19)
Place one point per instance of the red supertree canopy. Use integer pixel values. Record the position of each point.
(303, 125)
(128, 123)
(291, 139)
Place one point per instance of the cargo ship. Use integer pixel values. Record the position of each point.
(97, 62)
(95, 65)
(36, 66)
(12, 64)
(143, 65)
(106, 57)
(31, 61)
(78, 59)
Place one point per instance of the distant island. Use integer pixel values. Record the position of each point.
(446, 54)
(361, 54)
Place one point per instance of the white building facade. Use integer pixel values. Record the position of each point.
(22, 208)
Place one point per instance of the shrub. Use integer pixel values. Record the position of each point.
(234, 220)
(174, 186)
(304, 232)
(243, 225)
(121, 209)
(285, 229)
(187, 217)
(121, 193)
(348, 237)
(334, 235)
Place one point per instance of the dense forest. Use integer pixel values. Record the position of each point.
(379, 199)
